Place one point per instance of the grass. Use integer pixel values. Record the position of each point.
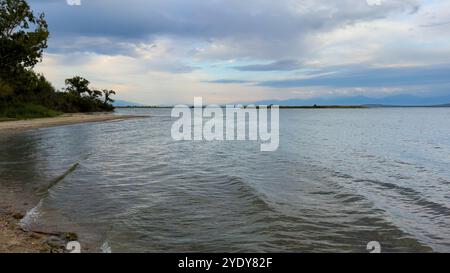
(6, 119)
(26, 111)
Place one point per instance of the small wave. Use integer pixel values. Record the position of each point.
(54, 182)
(404, 163)
(322, 192)
(341, 175)
(244, 190)
(349, 198)
(412, 194)
(34, 213)
(106, 248)
(31, 216)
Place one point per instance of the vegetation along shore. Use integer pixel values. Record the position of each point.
(26, 94)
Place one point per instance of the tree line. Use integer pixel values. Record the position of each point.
(25, 93)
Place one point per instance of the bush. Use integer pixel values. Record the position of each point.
(30, 95)
(26, 111)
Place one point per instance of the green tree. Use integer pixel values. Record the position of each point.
(95, 94)
(5, 91)
(78, 86)
(23, 92)
(23, 36)
(108, 94)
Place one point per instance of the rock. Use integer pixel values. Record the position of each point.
(55, 243)
(18, 216)
(71, 236)
(35, 236)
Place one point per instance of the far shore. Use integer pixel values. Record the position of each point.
(253, 106)
(64, 119)
(366, 106)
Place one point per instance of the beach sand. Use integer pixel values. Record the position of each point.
(61, 120)
(15, 240)
(14, 205)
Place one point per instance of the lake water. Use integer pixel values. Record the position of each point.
(340, 179)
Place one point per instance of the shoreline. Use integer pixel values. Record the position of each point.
(14, 238)
(14, 205)
(65, 119)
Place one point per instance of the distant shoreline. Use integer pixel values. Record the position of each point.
(281, 107)
(66, 119)
(310, 107)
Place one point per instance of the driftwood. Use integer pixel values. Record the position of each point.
(43, 232)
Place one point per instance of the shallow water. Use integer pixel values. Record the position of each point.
(340, 179)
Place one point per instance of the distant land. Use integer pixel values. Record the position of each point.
(341, 102)
(123, 103)
(397, 100)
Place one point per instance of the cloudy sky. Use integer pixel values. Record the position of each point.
(168, 51)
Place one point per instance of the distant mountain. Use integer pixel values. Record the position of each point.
(122, 103)
(398, 100)
(444, 105)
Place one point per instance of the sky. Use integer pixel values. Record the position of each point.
(164, 52)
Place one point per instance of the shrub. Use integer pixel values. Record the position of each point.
(27, 111)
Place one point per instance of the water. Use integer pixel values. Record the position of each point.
(340, 179)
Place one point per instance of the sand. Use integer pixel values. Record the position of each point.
(15, 240)
(61, 120)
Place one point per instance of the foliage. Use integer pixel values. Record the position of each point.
(27, 111)
(23, 36)
(24, 93)
(108, 94)
(78, 86)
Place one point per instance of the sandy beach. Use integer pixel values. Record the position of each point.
(14, 205)
(15, 240)
(65, 119)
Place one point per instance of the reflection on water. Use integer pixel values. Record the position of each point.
(340, 179)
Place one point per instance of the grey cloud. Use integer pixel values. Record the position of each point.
(284, 65)
(228, 81)
(372, 77)
(438, 24)
(259, 21)
(177, 68)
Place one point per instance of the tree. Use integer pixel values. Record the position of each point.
(78, 86)
(95, 94)
(108, 94)
(5, 91)
(23, 36)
